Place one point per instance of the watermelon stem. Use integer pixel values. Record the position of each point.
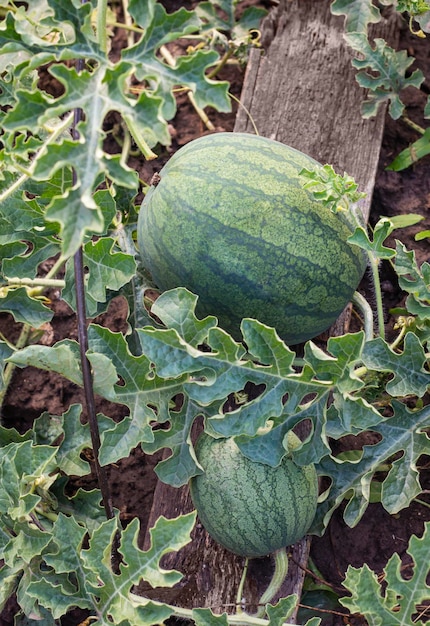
(281, 570)
(192, 614)
(366, 310)
(240, 588)
(374, 264)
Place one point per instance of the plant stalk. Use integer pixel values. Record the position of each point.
(88, 382)
(374, 264)
(281, 571)
(78, 261)
(36, 282)
(366, 310)
(101, 25)
(411, 124)
(241, 586)
(227, 55)
(241, 619)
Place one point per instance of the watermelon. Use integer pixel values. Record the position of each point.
(250, 508)
(229, 220)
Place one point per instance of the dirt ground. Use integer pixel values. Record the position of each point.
(378, 535)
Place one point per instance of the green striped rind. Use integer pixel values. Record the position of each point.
(250, 508)
(230, 221)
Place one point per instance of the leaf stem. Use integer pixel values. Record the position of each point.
(226, 56)
(129, 27)
(240, 587)
(56, 267)
(374, 265)
(101, 25)
(279, 574)
(366, 310)
(422, 502)
(200, 112)
(36, 282)
(78, 263)
(240, 619)
(411, 124)
(49, 515)
(399, 337)
(248, 113)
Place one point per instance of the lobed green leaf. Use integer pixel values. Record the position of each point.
(409, 374)
(384, 72)
(414, 280)
(399, 603)
(402, 434)
(358, 14)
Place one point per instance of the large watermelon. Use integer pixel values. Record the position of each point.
(250, 508)
(230, 220)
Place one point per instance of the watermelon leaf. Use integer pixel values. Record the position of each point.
(403, 433)
(24, 308)
(282, 610)
(375, 247)
(331, 189)
(384, 72)
(338, 363)
(177, 469)
(112, 597)
(75, 439)
(223, 371)
(414, 280)
(399, 603)
(62, 358)
(205, 617)
(5, 351)
(410, 376)
(358, 14)
(109, 269)
(176, 307)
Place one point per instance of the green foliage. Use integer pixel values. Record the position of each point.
(59, 552)
(399, 603)
(415, 7)
(333, 190)
(173, 362)
(102, 87)
(383, 71)
(410, 155)
(56, 181)
(60, 192)
(415, 281)
(358, 14)
(56, 561)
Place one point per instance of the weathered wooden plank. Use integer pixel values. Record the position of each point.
(301, 91)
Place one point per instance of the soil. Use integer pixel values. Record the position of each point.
(133, 480)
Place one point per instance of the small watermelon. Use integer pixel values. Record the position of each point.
(250, 508)
(229, 220)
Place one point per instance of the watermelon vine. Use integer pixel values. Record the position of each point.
(65, 200)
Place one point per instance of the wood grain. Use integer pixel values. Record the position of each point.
(301, 90)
